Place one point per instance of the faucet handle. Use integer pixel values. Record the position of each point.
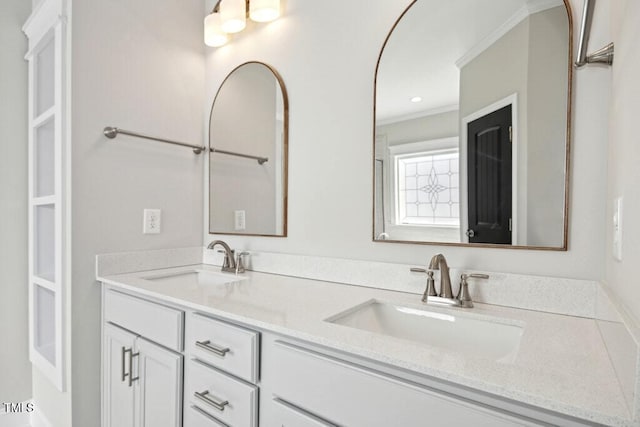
(463, 291)
(240, 268)
(430, 290)
(476, 276)
(227, 262)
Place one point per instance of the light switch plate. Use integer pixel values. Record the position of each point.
(239, 220)
(151, 222)
(617, 229)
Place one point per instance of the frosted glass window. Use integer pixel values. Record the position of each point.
(45, 323)
(44, 229)
(45, 78)
(428, 188)
(44, 157)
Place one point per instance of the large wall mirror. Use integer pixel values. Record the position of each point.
(248, 153)
(472, 120)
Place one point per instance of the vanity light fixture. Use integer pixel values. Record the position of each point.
(264, 10)
(230, 16)
(213, 34)
(233, 14)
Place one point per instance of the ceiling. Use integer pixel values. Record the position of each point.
(420, 56)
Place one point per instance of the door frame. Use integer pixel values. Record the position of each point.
(518, 237)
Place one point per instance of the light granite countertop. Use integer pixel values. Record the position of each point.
(561, 365)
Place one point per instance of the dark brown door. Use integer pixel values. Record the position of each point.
(489, 178)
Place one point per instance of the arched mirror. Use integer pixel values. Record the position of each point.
(472, 110)
(248, 154)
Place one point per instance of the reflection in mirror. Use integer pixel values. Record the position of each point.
(471, 124)
(248, 159)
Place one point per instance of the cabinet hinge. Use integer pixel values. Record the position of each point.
(510, 134)
(510, 224)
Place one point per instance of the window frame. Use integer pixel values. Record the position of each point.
(416, 149)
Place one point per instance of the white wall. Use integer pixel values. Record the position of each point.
(139, 66)
(436, 126)
(624, 153)
(546, 127)
(327, 61)
(15, 369)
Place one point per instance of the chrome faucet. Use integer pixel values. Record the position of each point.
(438, 262)
(229, 263)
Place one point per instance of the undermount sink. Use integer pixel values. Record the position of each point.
(195, 278)
(495, 339)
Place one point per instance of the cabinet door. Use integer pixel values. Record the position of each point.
(117, 394)
(159, 386)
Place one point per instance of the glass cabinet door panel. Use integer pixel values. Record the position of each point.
(44, 236)
(45, 322)
(45, 78)
(44, 158)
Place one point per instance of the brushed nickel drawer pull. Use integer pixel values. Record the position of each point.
(204, 396)
(131, 377)
(123, 371)
(212, 348)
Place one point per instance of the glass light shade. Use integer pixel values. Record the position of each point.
(264, 10)
(213, 34)
(234, 15)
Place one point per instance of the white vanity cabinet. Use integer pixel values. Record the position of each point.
(171, 365)
(142, 368)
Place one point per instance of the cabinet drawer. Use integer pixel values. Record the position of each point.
(156, 322)
(287, 415)
(209, 389)
(231, 348)
(194, 416)
(352, 395)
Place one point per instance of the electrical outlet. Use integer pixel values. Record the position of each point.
(239, 220)
(151, 222)
(617, 229)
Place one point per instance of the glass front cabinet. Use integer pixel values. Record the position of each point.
(46, 31)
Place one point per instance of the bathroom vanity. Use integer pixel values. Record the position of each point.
(196, 347)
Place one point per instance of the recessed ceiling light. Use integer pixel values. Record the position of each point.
(416, 99)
